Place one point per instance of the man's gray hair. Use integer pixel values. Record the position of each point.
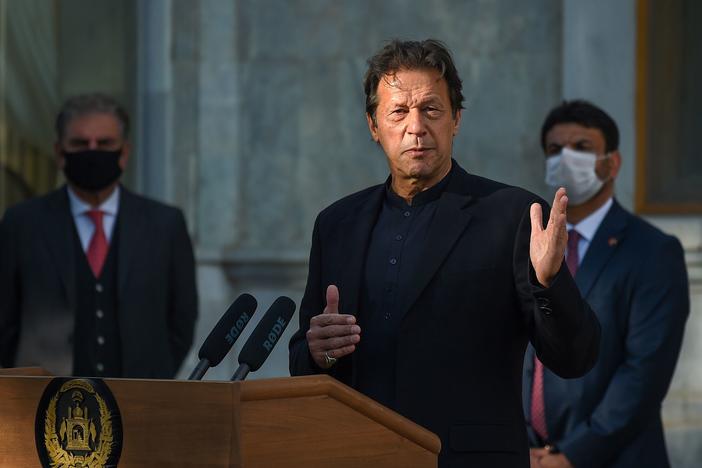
(93, 103)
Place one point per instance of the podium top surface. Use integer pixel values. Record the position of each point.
(323, 385)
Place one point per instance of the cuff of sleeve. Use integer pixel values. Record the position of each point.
(557, 299)
(539, 289)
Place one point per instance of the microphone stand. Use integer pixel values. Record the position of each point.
(241, 372)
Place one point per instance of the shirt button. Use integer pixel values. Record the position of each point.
(407, 214)
(101, 340)
(99, 314)
(398, 237)
(98, 287)
(545, 305)
(393, 261)
(99, 367)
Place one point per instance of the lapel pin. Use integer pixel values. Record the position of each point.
(612, 241)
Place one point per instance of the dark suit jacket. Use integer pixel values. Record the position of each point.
(634, 278)
(157, 299)
(472, 310)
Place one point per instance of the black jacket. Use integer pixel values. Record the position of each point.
(157, 299)
(472, 311)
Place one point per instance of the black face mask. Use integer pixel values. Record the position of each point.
(92, 170)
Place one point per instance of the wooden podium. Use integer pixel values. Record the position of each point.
(309, 422)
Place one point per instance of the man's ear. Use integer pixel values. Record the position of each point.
(615, 164)
(372, 127)
(457, 122)
(124, 157)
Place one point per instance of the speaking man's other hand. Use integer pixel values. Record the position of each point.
(332, 335)
(547, 246)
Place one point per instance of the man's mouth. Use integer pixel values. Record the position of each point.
(418, 150)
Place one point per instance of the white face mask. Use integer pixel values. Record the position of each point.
(574, 170)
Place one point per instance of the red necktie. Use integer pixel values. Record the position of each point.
(538, 413)
(97, 249)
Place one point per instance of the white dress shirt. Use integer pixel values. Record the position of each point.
(85, 225)
(588, 227)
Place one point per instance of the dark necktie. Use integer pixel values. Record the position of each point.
(572, 255)
(97, 248)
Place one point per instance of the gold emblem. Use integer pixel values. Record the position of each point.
(78, 426)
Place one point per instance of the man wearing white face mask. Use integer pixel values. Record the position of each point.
(634, 278)
(576, 170)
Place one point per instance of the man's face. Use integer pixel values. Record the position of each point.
(414, 124)
(588, 140)
(94, 131)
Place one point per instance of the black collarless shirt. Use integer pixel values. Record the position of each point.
(394, 256)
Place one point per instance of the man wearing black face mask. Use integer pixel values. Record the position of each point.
(95, 280)
(634, 278)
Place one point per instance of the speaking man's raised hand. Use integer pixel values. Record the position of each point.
(547, 245)
(332, 335)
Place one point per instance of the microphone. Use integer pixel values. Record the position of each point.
(264, 337)
(224, 334)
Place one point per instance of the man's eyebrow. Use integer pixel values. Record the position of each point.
(430, 98)
(584, 141)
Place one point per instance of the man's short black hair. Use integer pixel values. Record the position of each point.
(92, 103)
(583, 113)
(412, 55)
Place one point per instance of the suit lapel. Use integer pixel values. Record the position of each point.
(59, 231)
(607, 238)
(450, 220)
(131, 225)
(356, 232)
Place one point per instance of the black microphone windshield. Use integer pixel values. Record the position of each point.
(267, 333)
(225, 333)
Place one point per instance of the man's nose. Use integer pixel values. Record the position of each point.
(416, 125)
